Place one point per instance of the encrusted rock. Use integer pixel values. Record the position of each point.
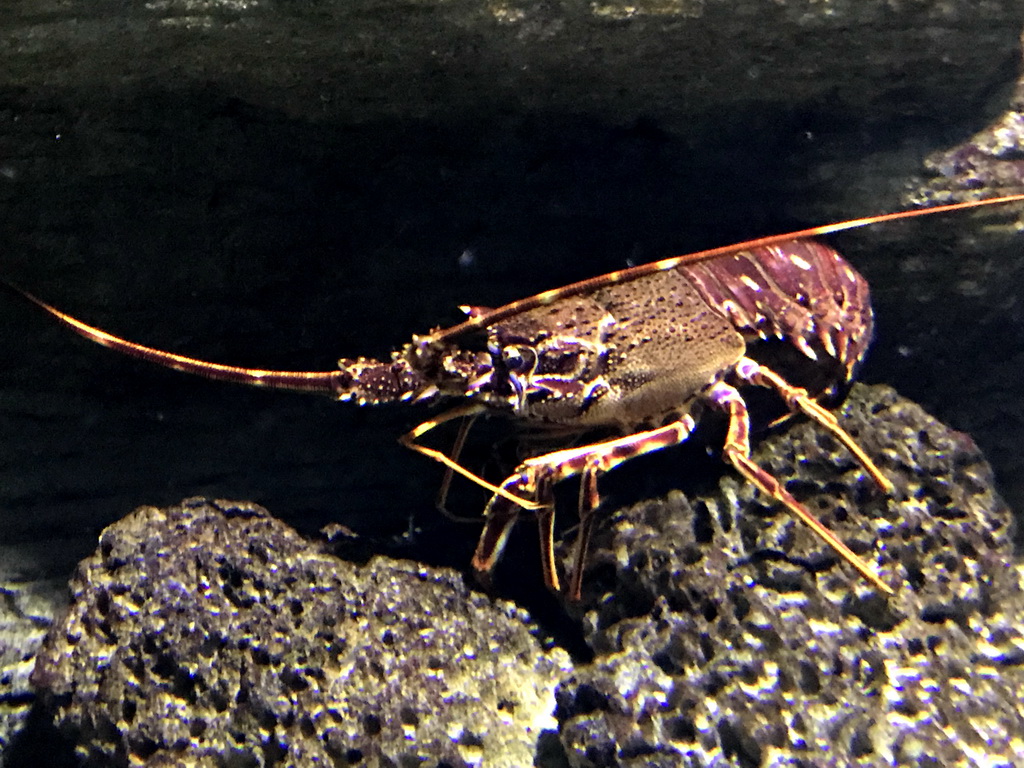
(211, 634)
(725, 633)
(987, 164)
(728, 635)
(26, 609)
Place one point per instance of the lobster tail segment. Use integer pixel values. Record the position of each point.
(802, 291)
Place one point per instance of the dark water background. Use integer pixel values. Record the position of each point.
(265, 205)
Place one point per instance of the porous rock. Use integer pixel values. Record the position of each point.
(211, 634)
(26, 609)
(728, 635)
(985, 165)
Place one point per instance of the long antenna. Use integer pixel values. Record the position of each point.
(319, 382)
(484, 319)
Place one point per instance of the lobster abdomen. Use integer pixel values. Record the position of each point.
(800, 291)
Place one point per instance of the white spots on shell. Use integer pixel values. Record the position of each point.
(750, 282)
(799, 262)
(732, 311)
(548, 296)
(803, 346)
(826, 340)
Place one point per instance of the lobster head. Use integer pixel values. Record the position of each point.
(543, 369)
(544, 363)
(532, 365)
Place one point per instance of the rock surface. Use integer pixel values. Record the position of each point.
(724, 632)
(952, 295)
(211, 634)
(727, 634)
(27, 608)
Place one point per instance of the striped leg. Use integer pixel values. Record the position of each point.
(446, 482)
(737, 453)
(452, 465)
(798, 401)
(589, 500)
(534, 479)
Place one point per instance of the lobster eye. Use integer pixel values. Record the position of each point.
(515, 360)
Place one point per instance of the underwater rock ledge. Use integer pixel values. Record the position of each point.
(211, 634)
(727, 634)
(724, 632)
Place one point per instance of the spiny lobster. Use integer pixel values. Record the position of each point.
(641, 351)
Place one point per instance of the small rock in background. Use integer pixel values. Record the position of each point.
(27, 607)
(211, 632)
(988, 164)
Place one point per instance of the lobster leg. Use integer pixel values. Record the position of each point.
(737, 453)
(409, 441)
(534, 478)
(546, 529)
(442, 494)
(589, 499)
(501, 514)
(798, 401)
